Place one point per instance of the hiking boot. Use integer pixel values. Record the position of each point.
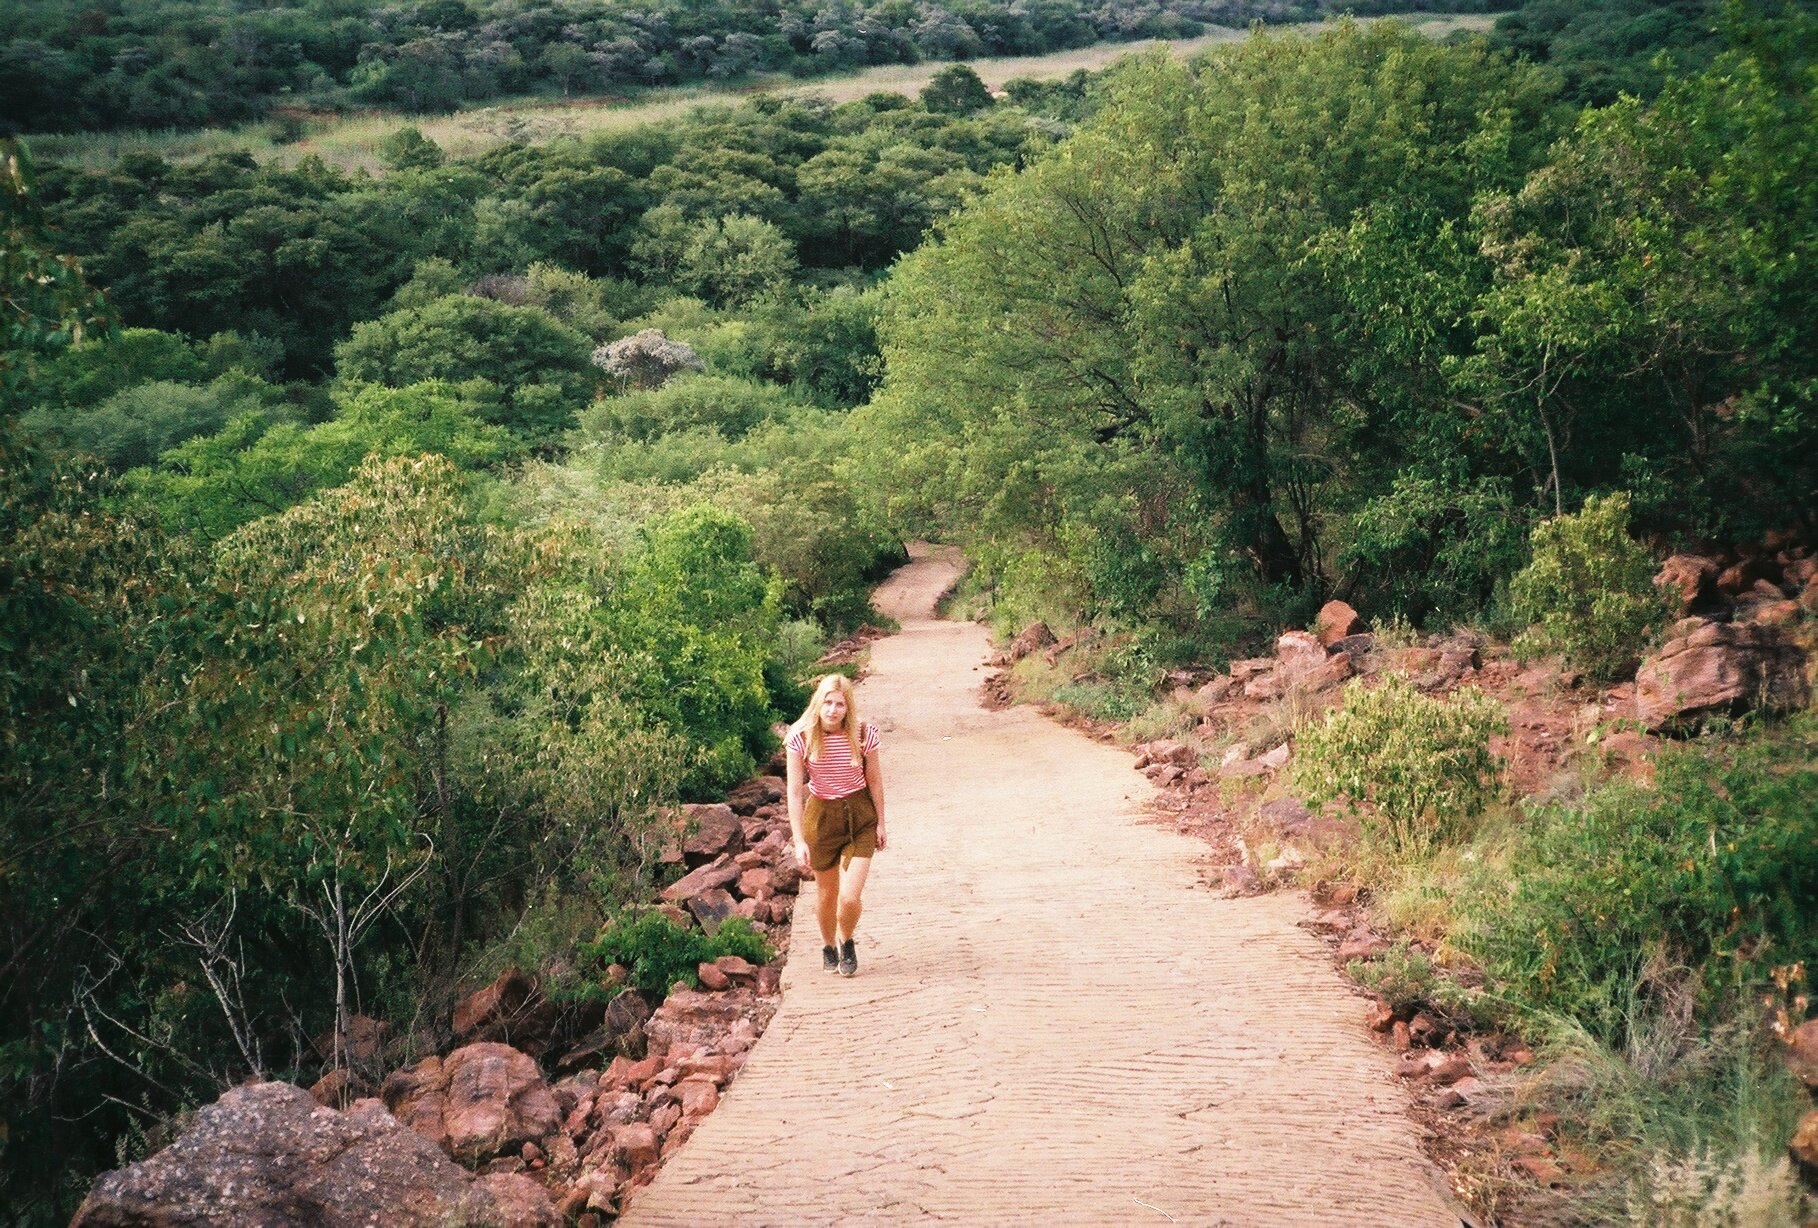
(830, 960)
(848, 958)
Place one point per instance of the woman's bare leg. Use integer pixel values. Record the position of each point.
(851, 886)
(827, 889)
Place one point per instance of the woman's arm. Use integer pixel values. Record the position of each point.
(874, 778)
(797, 799)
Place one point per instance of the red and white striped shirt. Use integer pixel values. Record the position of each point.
(834, 775)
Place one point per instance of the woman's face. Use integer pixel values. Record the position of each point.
(833, 711)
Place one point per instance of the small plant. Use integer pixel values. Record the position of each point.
(1589, 590)
(657, 952)
(1416, 769)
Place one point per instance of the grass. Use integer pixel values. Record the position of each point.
(352, 142)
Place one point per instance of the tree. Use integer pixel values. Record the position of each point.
(956, 90)
(539, 364)
(1156, 350)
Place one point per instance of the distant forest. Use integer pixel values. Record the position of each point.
(81, 65)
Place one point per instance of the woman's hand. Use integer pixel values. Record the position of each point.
(882, 843)
(803, 855)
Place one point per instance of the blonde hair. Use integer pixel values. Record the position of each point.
(810, 721)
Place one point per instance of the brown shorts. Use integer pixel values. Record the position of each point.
(840, 829)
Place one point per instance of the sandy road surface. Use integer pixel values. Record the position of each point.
(1052, 1022)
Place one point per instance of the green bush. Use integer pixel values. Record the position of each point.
(1714, 868)
(658, 952)
(1417, 769)
(1589, 590)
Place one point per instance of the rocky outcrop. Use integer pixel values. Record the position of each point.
(1336, 621)
(268, 1154)
(1719, 669)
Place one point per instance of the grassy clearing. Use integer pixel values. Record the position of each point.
(352, 142)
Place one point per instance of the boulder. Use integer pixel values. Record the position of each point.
(699, 1019)
(1721, 668)
(1336, 621)
(1300, 652)
(713, 906)
(713, 831)
(1036, 635)
(1739, 578)
(1689, 580)
(720, 872)
(497, 1102)
(418, 1096)
(267, 1153)
(489, 1009)
(756, 793)
(1177, 753)
(1285, 816)
(1804, 1147)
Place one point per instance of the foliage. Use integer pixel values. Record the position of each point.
(538, 364)
(1610, 47)
(646, 359)
(1167, 348)
(1416, 769)
(1710, 868)
(263, 462)
(658, 953)
(956, 90)
(184, 63)
(1589, 589)
(48, 304)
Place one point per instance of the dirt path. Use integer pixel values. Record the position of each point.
(1052, 1023)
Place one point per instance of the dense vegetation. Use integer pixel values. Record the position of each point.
(71, 65)
(421, 537)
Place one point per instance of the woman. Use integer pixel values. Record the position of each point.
(836, 811)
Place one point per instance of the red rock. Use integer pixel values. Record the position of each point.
(1398, 1036)
(1361, 943)
(1300, 652)
(1739, 578)
(339, 1088)
(1689, 577)
(756, 793)
(1035, 636)
(1719, 669)
(698, 1097)
(492, 1005)
(1804, 1145)
(1342, 893)
(1166, 752)
(1336, 620)
(635, 1146)
(1774, 613)
(1276, 758)
(418, 1096)
(1422, 1028)
(1800, 572)
(623, 1072)
(741, 971)
(1380, 1017)
(714, 832)
(701, 1019)
(266, 1153)
(717, 873)
(711, 977)
(769, 981)
(1459, 1094)
(1802, 1053)
(1540, 1169)
(1212, 692)
(1263, 687)
(714, 905)
(497, 1100)
(755, 884)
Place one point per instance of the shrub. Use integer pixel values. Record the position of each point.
(1714, 868)
(1416, 768)
(1589, 590)
(658, 952)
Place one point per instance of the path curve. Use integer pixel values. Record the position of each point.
(1053, 1023)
